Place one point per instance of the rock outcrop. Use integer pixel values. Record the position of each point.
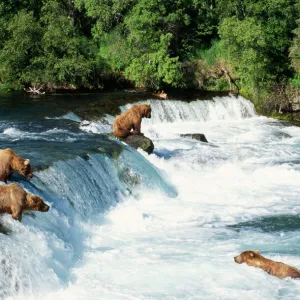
(137, 141)
(195, 136)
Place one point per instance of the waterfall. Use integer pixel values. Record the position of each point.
(219, 108)
(127, 225)
(38, 253)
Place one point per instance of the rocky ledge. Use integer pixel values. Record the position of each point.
(139, 141)
(195, 136)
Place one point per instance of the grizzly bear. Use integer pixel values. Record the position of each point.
(253, 258)
(161, 95)
(10, 161)
(14, 200)
(131, 119)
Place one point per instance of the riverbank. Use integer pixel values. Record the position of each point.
(103, 102)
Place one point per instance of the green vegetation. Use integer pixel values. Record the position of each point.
(248, 46)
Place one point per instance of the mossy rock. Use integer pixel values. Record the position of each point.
(140, 141)
(195, 136)
(137, 142)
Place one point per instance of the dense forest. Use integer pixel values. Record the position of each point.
(250, 46)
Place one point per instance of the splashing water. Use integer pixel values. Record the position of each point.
(220, 108)
(68, 116)
(127, 225)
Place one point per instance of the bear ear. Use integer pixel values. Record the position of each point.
(26, 162)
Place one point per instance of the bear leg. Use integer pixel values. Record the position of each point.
(121, 133)
(17, 213)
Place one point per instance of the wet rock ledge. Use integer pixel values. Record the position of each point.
(138, 142)
(195, 136)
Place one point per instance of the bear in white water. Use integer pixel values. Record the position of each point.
(10, 162)
(14, 200)
(253, 258)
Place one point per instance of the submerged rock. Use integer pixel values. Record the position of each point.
(196, 136)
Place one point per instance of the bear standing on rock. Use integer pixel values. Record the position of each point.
(278, 269)
(10, 161)
(131, 119)
(14, 200)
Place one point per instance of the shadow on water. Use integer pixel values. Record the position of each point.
(270, 224)
(87, 106)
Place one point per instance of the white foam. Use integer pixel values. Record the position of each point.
(95, 127)
(48, 135)
(68, 116)
(151, 246)
(220, 108)
(13, 132)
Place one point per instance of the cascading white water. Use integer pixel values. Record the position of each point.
(37, 255)
(118, 230)
(220, 108)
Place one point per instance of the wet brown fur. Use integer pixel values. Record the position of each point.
(161, 95)
(253, 258)
(10, 162)
(131, 119)
(14, 200)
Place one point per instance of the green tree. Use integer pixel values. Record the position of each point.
(257, 37)
(147, 40)
(22, 45)
(105, 14)
(295, 49)
(67, 57)
(155, 68)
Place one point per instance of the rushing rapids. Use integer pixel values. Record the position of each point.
(127, 225)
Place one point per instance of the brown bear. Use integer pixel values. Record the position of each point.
(253, 258)
(131, 119)
(10, 161)
(161, 95)
(14, 200)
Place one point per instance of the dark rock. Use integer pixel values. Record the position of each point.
(195, 136)
(5, 230)
(139, 141)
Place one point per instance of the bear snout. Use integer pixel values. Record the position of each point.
(30, 175)
(237, 259)
(45, 208)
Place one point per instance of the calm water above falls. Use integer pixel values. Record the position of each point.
(127, 225)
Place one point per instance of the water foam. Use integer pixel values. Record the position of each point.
(128, 239)
(68, 116)
(95, 127)
(54, 134)
(220, 108)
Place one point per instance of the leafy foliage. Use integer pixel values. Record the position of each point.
(22, 45)
(257, 37)
(158, 43)
(67, 57)
(295, 49)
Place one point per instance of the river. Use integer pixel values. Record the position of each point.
(127, 225)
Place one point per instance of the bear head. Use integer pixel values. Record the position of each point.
(25, 169)
(35, 202)
(146, 110)
(247, 257)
